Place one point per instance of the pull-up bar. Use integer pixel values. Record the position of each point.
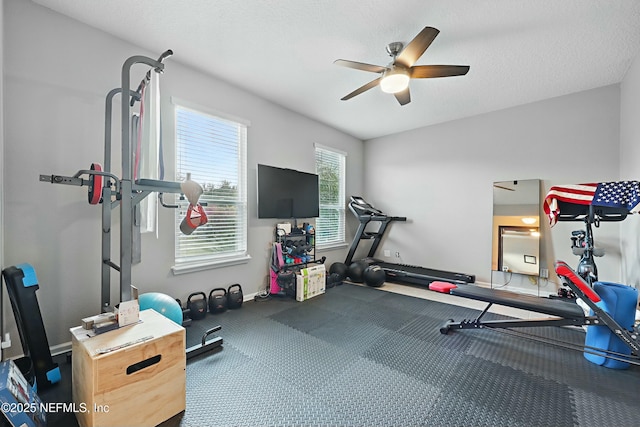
(136, 95)
(126, 192)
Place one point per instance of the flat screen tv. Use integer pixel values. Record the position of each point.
(287, 193)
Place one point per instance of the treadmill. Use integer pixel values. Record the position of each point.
(400, 273)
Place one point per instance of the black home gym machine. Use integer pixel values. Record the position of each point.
(126, 193)
(411, 274)
(564, 312)
(612, 339)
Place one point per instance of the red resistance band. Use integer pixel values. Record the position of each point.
(196, 216)
(562, 269)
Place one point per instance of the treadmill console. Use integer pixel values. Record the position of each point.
(363, 208)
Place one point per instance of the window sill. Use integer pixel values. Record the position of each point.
(332, 246)
(208, 265)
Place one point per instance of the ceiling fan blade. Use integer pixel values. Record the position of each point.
(430, 71)
(360, 66)
(403, 97)
(361, 89)
(416, 47)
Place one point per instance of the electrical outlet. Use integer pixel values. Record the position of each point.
(397, 254)
(544, 273)
(505, 268)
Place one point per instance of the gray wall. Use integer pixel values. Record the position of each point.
(441, 178)
(57, 74)
(630, 169)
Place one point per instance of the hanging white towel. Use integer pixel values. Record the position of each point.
(149, 162)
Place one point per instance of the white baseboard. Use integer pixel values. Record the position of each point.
(60, 348)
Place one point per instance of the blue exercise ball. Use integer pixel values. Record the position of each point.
(163, 304)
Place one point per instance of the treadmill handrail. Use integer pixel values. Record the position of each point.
(381, 218)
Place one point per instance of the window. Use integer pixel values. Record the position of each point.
(330, 167)
(213, 150)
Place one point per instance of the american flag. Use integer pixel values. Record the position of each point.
(618, 194)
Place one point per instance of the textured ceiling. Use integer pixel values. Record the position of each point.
(283, 50)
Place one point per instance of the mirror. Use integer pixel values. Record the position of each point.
(516, 227)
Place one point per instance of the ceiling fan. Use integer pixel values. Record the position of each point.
(394, 78)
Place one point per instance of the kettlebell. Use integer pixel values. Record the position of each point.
(218, 301)
(234, 296)
(186, 320)
(197, 307)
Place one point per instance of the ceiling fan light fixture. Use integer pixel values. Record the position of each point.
(394, 80)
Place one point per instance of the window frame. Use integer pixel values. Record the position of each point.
(340, 240)
(187, 264)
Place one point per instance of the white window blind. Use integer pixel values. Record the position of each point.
(330, 167)
(213, 151)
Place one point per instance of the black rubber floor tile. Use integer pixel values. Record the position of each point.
(353, 335)
(370, 394)
(523, 398)
(430, 363)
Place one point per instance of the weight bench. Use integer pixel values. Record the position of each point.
(563, 312)
(567, 312)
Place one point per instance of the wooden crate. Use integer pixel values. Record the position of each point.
(138, 384)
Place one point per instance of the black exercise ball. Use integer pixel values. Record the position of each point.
(339, 268)
(333, 279)
(374, 276)
(356, 270)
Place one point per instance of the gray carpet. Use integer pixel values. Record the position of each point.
(359, 356)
